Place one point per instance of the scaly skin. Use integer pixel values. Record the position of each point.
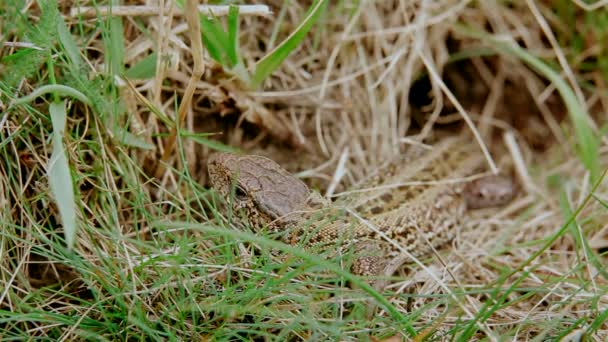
(418, 202)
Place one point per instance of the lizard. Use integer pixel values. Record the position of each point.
(418, 201)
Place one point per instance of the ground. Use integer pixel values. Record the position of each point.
(111, 230)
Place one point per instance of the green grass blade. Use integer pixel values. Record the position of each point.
(114, 45)
(581, 242)
(216, 41)
(69, 45)
(233, 33)
(60, 179)
(144, 69)
(498, 297)
(598, 321)
(273, 60)
(587, 141)
(57, 89)
(311, 258)
(238, 69)
(223, 45)
(212, 144)
(129, 139)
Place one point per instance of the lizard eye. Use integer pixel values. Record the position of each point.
(240, 193)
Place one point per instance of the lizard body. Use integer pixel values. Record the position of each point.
(418, 202)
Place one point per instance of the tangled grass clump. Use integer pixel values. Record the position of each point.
(108, 115)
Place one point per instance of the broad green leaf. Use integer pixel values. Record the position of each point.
(69, 45)
(144, 69)
(114, 45)
(60, 179)
(216, 41)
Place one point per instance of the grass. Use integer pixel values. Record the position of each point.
(98, 244)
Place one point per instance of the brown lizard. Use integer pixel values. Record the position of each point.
(414, 204)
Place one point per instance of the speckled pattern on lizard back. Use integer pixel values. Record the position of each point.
(418, 201)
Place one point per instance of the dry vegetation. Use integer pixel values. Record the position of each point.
(369, 79)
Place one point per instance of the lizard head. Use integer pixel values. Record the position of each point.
(266, 192)
(489, 191)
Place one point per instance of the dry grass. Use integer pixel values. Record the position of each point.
(369, 80)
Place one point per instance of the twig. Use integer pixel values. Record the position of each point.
(146, 11)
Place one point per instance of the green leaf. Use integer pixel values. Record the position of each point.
(275, 58)
(238, 69)
(144, 69)
(56, 89)
(44, 33)
(21, 65)
(233, 33)
(69, 45)
(60, 179)
(582, 244)
(129, 139)
(217, 42)
(114, 45)
(212, 144)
